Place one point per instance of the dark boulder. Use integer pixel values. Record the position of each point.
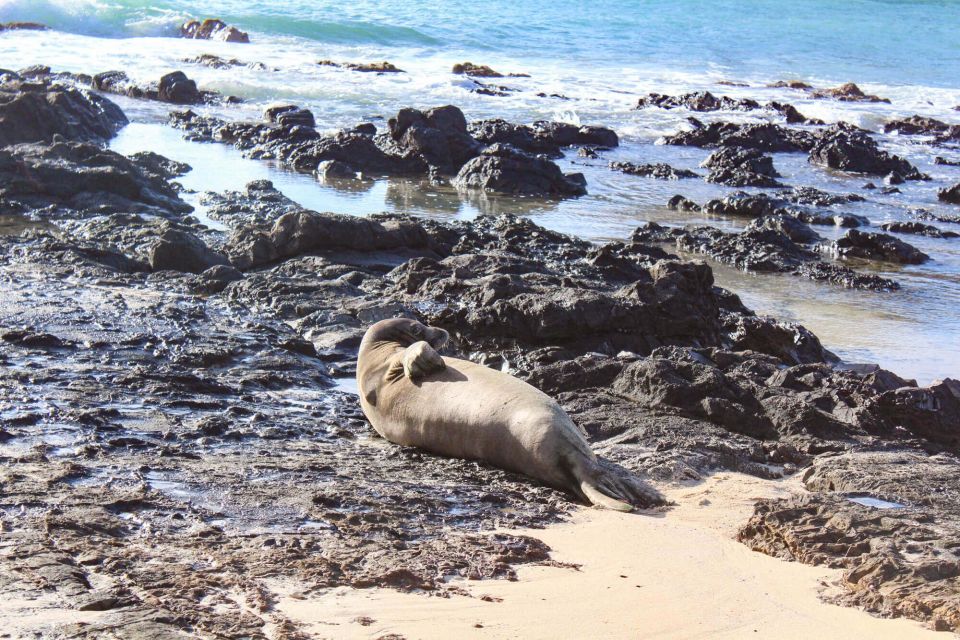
(178, 250)
(916, 125)
(950, 194)
(504, 169)
(741, 203)
(856, 152)
(177, 88)
(739, 167)
(767, 137)
(437, 137)
(680, 203)
(791, 113)
(877, 246)
(289, 115)
(363, 67)
(38, 112)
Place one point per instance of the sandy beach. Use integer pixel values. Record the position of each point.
(678, 574)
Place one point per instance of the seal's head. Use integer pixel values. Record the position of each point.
(405, 332)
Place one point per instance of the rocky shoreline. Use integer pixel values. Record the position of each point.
(174, 426)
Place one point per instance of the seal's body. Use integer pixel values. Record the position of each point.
(413, 396)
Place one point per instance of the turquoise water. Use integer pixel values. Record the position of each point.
(879, 41)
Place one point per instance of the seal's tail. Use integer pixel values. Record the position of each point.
(606, 485)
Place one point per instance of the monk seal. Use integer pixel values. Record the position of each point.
(413, 396)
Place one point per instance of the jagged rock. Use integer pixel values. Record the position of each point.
(699, 101)
(363, 67)
(916, 125)
(741, 203)
(848, 92)
(877, 246)
(788, 225)
(791, 84)
(792, 115)
(505, 169)
(918, 228)
(737, 167)
(212, 29)
(814, 196)
(81, 179)
(764, 137)
(854, 151)
(482, 71)
(950, 194)
(659, 170)
(437, 137)
(38, 112)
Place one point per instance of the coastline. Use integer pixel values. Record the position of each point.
(677, 574)
(182, 448)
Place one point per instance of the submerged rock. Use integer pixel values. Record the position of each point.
(848, 92)
(363, 67)
(659, 170)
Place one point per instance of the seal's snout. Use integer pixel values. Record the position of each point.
(438, 338)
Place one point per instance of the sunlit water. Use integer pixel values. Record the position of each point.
(602, 59)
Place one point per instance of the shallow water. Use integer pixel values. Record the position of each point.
(602, 60)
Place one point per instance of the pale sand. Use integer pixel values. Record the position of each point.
(674, 575)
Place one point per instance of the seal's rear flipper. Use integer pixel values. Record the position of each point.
(599, 499)
(608, 485)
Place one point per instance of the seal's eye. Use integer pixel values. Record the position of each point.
(416, 330)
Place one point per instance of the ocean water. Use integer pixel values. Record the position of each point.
(601, 56)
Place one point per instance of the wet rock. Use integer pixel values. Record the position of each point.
(916, 125)
(792, 115)
(335, 169)
(854, 151)
(482, 71)
(877, 246)
(363, 67)
(790, 342)
(212, 29)
(837, 220)
(763, 137)
(791, 84)
(816, 197)
(177, 88)
(180, 251)
(505, 169)
(216, 278)
(945, 162)
(950, 194)
(741, 203)
(543, 137)
(302, 232)
(437, 137)
(680, 203)
(698, 101)
(38, 112)
(82, 178)
(217, 62)
(659, 170)
(737, 167)
(289, 115)
(174, 87)
(918, 228)
(788, 225)
(848, 92)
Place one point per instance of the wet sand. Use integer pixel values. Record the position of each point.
(674, 575)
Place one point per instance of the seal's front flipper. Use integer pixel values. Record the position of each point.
(598, 498)
(420, 360)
